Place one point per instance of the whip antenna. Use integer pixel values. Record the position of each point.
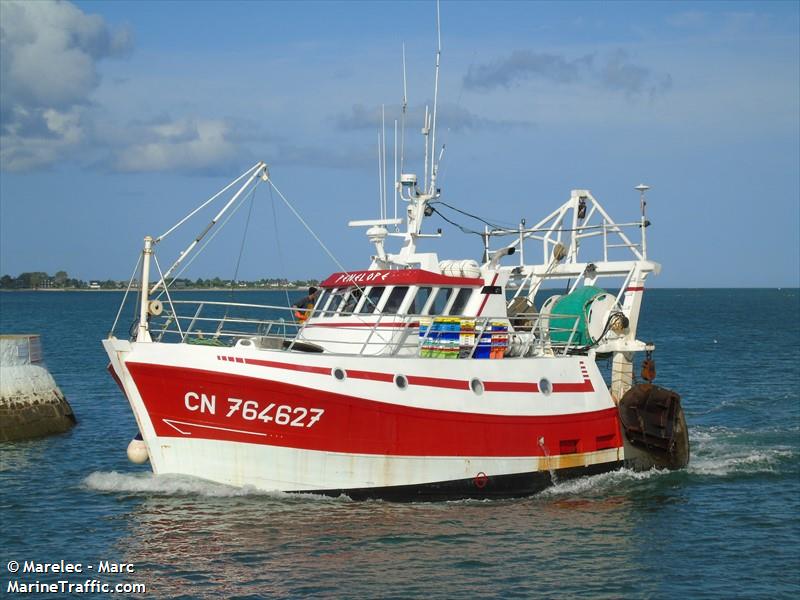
(384, 194)
(404, 108)
(435, 99)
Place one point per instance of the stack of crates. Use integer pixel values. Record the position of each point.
(466, 339)
(499, 339)
(453, 337)
(425, 340)
(484, 348)
(443, 341)
(493, 342)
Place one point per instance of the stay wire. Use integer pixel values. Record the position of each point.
(440, 171)
(454, 224)
(319, 241)
(209, 239)
(281, 266)
(308, 227)
(244, 239)
(470, 215)
(252, 196)
(125, 297)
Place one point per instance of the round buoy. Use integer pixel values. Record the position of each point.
(155, 307)
(137, 450)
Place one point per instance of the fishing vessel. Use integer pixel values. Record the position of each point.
(415, 377)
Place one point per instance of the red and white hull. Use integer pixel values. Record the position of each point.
(385, 427)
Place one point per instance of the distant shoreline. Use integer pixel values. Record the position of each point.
(172, 291)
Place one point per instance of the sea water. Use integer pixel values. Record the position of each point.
(728, 526)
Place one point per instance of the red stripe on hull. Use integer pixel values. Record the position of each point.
(350, 424)
(290, 367)
(584, 386)
(452, 384)
(370, 376)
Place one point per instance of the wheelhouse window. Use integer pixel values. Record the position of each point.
(350, 302)
(461, 301)
(371, 301)
(420, 301)
(321, 301)
(440, 301)
(395, 300)
(334, 303)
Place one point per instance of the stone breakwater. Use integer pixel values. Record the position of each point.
(31, 404)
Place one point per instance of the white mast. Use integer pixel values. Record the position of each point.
(642, 189)
(143, 333)
(383, 144)
(425, 131)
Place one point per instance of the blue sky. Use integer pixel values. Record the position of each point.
(119, 117)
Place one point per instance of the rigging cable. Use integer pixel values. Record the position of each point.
(476, 217)
(210, 238)
(461, 227)
(440, 171)
(234, 281)
(244, 239)
(281, 266)
(125, 297)
(323, 246)
(308, 228)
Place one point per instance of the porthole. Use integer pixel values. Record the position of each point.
(476, 385)
(339, 374)
(401, 381)
(545, 386)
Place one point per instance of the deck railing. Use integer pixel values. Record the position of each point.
(225, 323)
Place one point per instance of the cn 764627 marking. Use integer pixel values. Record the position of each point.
(252, 410)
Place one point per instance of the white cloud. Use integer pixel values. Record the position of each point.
(48, 56)
(613, 72)
(38, 138)
(181, 145)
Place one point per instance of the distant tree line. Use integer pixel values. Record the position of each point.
(61, 280)
(40, 280)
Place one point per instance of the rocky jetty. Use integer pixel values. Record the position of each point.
(31, 404)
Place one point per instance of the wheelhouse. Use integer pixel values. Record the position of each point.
(395, 293)
(383, 307)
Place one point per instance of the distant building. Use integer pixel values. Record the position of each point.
(94, 285)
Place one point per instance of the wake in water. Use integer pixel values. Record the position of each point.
(721, 451)
(716, 452)
(148, 484)
(611, 482)
(168, 485)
